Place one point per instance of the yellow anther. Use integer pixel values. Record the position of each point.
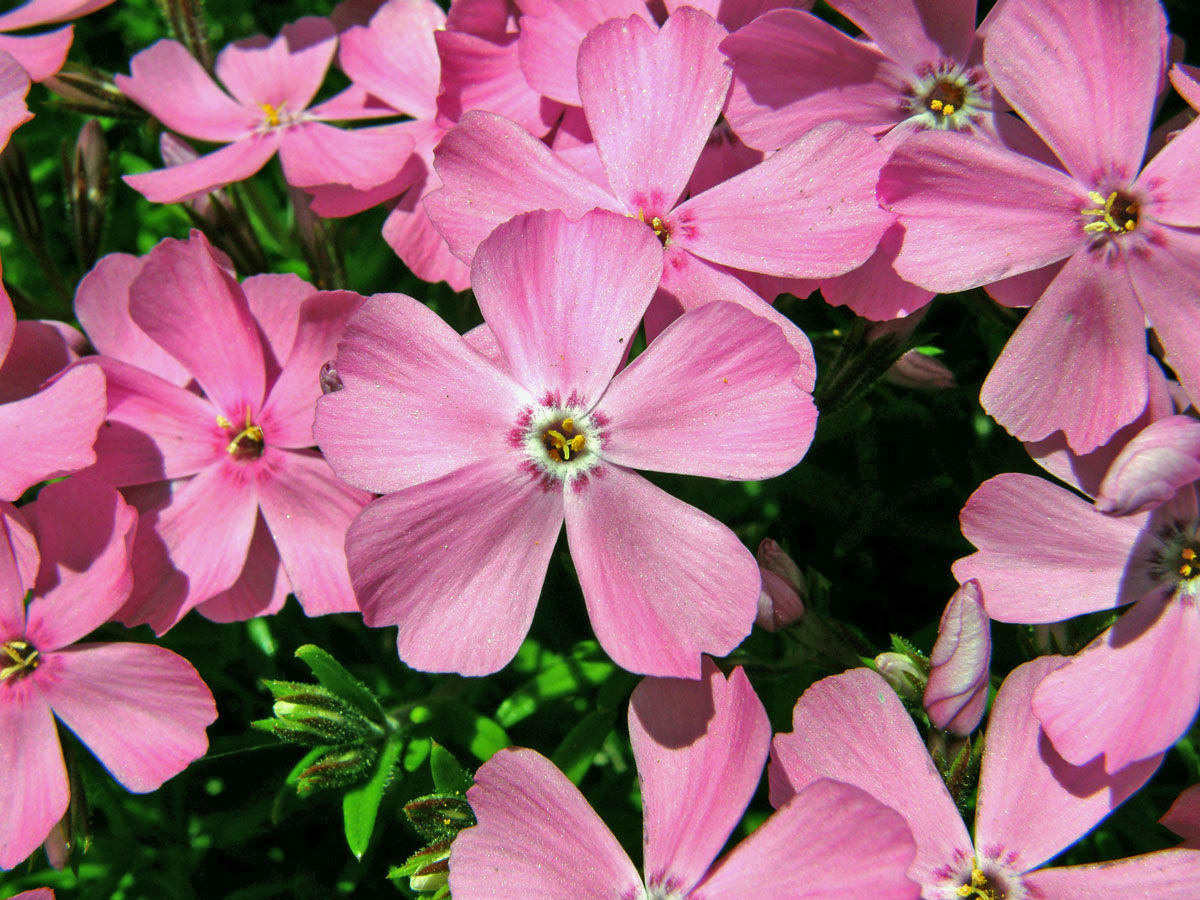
(935, 105)
(223, 422)
(576, 443)
(272, 113)
(568, 425)
(23, 656)
(1188, 553)
(948, 110)
(978, 888)
(1185, 570)
(1107, 220)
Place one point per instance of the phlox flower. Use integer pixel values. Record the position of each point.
(14, 85)
(960, 664)
(46, 430)
(1031, 804)
(41, 55)
(483, 447)
(141, 709)
(1044, 555)
(1127, 241)
(270, 85)
(809, 211)
(700, 749)
(211, 391)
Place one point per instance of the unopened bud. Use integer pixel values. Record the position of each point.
(310, 714)
(188, 25)
(91, 92)
(906, 675)
(330, 380)
(434, 873)
(1151, 468)
(88, 179)
(920, 372)
(960, 664)
(439, 816)
(339, 767)
(781, 600)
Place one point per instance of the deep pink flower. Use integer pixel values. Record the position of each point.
(481, 458)
(41, 55)
(142, 710)
(50, 430)
(236, 511)
(974, 213)
(272, 84)
(1031, 804)
(809, 211)
(700, 748)
(960, 664)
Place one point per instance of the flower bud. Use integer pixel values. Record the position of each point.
(1164, 457)
(956, 693)
(330, 380)
(439, 816)
(338, 767)
(781, 599)
(311, 714)
(91, 92)
(905, 674)
(920, 372)
(88, 179)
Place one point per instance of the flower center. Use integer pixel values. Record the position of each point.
(272, 114)
(246, 444)
(660, 226)
(1176, 562)
(1115, 214)
(560, 441)
(981, 886)
(17, 658)
(947, 96)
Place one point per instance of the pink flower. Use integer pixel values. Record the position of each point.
(781, 601)
(957, 690)
(1031, 804)
(50, 430)
(1183, 817)
(700, 748)
(41, 55)
(272, 84)
(975, 213)
(482, 457)
(14, 85)
(141, 709)
(235, 510)
(807, 212)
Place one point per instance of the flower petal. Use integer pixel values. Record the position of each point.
(1162, 459)
(956, 692)
(313, 153)
(395, 56)
(1183, 817)
(187, 181)
(664, 582)
(285, 72)
(718, 380)
(458, 563)
(40, 55)
(33, 778)
(1167, 285)
(260, 590)
(142, 710)
(1165, 875)
(535, 827)
(913, 32)
(700, 748)
(565, 317)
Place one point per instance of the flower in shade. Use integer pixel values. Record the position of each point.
(211, 390)
(1031, 804)
(482, 455)
(141, 709)
(266, 110)
(700, 749)
(46, 430)
(1183, 817)
(1124, 235)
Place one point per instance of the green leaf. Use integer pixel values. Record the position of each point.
(560, 679)
(360, 806)
(575, 754)
(334, 676)
(448, 774)
(454, 722)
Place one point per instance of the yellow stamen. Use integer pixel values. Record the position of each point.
(24, 658)
(935, 105)
(272, 112)
(568, 425)
(978, 889)
(223, 422)
(576, 443)
(1108, 221)
(948, 110)
(1188, 553)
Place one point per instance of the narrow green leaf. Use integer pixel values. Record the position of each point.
(575, 754)
(334, 676)
(448, 774)
(360, 806)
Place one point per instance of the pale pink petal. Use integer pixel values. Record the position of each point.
(84, 532)
(1168, 287)
(1165, 875)
(956, 692)
(700, 748)
(735, 14)
(187, 181)
(853, 728)
(1132, 692)
(1022, 291)
(153, 429)
(33, 778)
(1163, 458)
(40, 350)
(308, 510)
(12, 589)
(1096, 123)
(1046, 555)
(829, 227)
(410, 233)
(395, 57)
(172, 86)
(1169, 180)
(15, 525)
(485, 73)
(40, 55)
(535, 827)
(492, 170)
(954, 191)
(1186, 80)
(1075, 363)
(458, 563)
(915, 31)
(410, 384)
(334, 201)
(195, 309)
(47, 12)
(287, 415)
(664, 582)
(194, 548)
(830, 842)
(285, 72)
(14, 85)
(723, 156)
(102, 307)
(52, 432)
(565, 317)
(793, 72)
(874, 290)
(315, 153)
(275, 303)
(633, 98)
(352, 104)
(1183, 817)
(718, 380)
(1031, 802)
(550, 39)
(142, 710)
(261, 590)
